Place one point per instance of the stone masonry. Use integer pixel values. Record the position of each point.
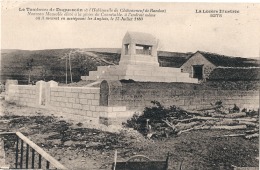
(137, 96)
(81, 103)
(139, 62)
(115, 101)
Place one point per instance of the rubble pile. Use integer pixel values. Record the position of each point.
(73, 140)
(158, 121)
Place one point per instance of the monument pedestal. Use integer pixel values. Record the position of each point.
(139, 62)
(139, 73)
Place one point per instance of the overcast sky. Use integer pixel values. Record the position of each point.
(180, 29)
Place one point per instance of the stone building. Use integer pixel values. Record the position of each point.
(201, 64)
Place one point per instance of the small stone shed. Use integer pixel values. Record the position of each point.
(201, 64)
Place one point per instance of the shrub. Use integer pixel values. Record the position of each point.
(153, 116)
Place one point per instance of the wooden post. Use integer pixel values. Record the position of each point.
(33, 155)
(115, 158)
(27, 156)
(21, 158)
(16, 152)
(40, 161)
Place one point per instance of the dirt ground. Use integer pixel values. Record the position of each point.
(77, 146)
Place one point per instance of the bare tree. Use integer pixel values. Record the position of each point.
(29, 67)
(44, 72)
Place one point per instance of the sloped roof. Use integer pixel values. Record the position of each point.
(235, 73)
(172, 59)
(228, 61)
(139, 38)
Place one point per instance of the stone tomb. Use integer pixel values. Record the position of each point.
(139, 62)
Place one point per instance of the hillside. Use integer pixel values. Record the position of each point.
(51, 64)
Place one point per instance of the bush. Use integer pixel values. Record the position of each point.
(153, 116)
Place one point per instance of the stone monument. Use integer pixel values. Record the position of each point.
(139, 62)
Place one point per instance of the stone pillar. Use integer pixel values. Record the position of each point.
(132, 49)
(146, 50)
(40, 92)
(48, 86)
(9, 82)
(123, 49)
(154, 51)
(109, 89)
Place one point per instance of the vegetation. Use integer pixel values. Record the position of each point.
(29, 67)
(50, 64)
(153, 116)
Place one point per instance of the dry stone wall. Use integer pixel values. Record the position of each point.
(138, 97)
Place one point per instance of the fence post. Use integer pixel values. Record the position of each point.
(21, 158)
(27, 156)
(48, 86)
(40, 94)
(16, 152)
(8, 90)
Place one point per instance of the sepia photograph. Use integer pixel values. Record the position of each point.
(129, 85)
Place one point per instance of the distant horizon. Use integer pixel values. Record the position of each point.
(119, 49)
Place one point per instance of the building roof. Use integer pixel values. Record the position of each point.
(228, 61)
(172, 59)
(235, 73)
(139, 38)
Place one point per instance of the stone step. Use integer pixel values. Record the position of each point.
(168, 70)
(112, 72)
(83, 78)
(94, 73)
(111, 77)
(121, 71)
(144, 73)
(103, 68)
(145, 78)
(146, 67)
(170, 74)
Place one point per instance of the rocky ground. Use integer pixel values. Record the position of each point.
(77, 146)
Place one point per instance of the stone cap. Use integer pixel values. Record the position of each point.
(139, 38)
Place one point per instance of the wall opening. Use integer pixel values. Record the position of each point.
(143, 49)
(198, 71)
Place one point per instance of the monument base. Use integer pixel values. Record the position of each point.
(141, 60)
(136, 72)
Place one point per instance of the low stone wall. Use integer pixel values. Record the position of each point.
(116, 101)
(137, 95)
(76, 100)
(83, 102)
(80, 103)
(22, 94)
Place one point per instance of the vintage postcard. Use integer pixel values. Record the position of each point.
(129, 85)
